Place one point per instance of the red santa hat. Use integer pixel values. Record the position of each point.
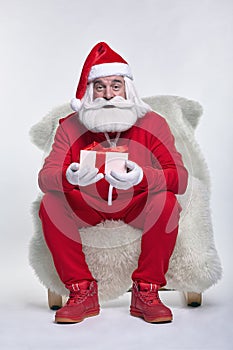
(102, 61)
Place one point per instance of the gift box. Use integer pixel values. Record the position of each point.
(104, 160)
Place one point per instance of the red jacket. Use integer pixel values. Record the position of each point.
(150, 144)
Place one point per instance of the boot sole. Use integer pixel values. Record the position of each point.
(77, 320)
(162, 319)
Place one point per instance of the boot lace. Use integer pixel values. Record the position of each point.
(77, 297)
(150, 296)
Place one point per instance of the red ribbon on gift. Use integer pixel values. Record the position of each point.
(96, 146)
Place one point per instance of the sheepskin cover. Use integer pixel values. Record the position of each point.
(112, 248)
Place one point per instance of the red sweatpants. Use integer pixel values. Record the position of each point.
(157, 215)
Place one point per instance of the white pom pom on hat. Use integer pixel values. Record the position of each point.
(75, 104)
(102, 61)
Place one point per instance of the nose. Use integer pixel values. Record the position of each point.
(108, 94)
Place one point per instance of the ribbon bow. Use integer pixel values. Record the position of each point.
(96, 146)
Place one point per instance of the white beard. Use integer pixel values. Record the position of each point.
(115, 115)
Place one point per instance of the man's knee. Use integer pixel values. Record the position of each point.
(50, 203)
(53, 199)
(165, 200)
(164, 208)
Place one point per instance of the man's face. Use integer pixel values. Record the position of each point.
(109, 110)
(109, 87)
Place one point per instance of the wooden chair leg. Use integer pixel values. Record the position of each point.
(193, 299)
(54, 300)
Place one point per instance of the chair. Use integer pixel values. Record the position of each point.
(112, 247)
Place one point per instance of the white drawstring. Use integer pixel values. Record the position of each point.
(110, 189)
(111, 144)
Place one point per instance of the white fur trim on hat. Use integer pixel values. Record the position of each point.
(108, 69)
(75, 104)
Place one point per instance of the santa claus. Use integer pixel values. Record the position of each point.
(132, 173)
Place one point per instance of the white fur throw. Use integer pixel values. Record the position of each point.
(112, 248)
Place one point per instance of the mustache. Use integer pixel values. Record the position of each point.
(115, 102)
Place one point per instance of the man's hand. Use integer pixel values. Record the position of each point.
(82, 177)
(124, 181)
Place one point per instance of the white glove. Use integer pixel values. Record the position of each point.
(124, 181)
(82, 177)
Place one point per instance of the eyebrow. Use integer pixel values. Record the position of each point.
(113, 81)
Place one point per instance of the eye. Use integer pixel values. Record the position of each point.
(99, 88)
(116, 87)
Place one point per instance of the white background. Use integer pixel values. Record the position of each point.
(177, 47)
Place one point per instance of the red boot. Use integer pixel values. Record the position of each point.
(82, 303)
(145, 303)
